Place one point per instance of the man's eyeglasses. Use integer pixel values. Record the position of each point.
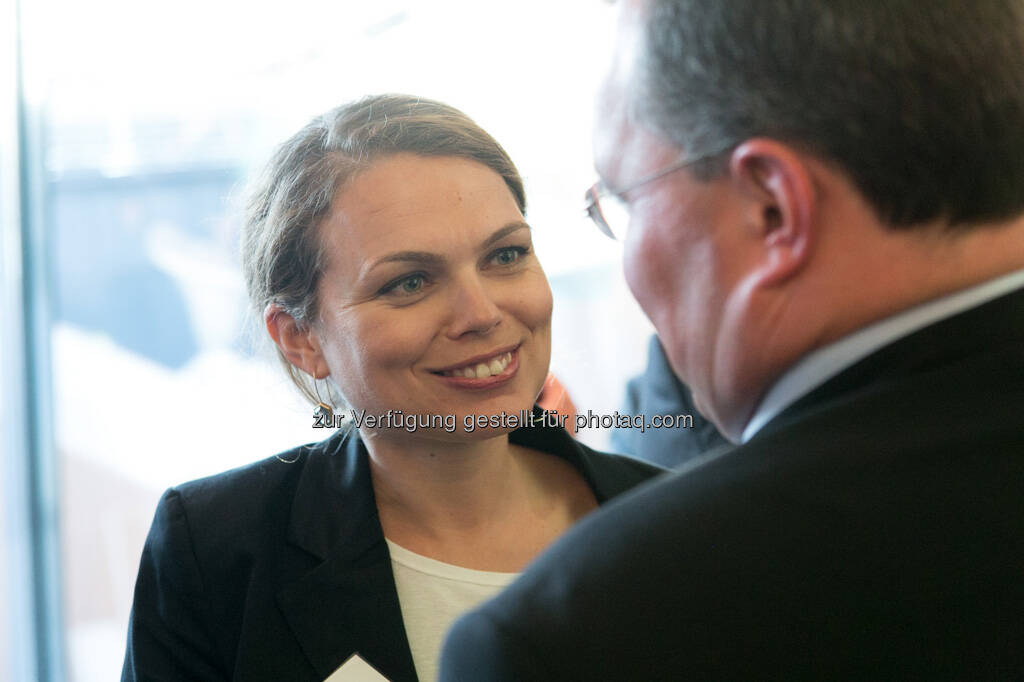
(612, 216)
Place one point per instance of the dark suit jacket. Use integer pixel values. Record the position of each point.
(874, 530)
(279, 570)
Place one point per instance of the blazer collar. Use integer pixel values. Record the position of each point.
(544, 436)
(334, 497)
(335, 508)
(348, 603)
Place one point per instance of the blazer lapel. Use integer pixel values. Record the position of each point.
(542, 436)
(348, 603)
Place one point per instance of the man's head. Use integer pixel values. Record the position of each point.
(874, 158)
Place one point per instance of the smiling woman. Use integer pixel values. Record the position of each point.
(388, 255)
(431, 299)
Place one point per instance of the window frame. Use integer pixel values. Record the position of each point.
(32, 589)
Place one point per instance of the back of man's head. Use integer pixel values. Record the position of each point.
(920, 104)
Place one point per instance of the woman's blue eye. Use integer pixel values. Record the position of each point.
(408, 285)
(411, 285)
(508, 255)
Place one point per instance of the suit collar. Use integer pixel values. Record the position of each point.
(985, 330)
(348, 603)
(818, 366)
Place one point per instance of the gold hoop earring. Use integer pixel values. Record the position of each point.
(323, 411)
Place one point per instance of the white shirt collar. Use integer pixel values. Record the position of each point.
(822, 364)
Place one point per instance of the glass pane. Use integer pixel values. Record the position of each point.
(155, 121)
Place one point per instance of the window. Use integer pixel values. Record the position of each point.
(154, 116)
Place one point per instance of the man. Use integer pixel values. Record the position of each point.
(827, 229)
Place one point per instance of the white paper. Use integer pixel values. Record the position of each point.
(355, 669)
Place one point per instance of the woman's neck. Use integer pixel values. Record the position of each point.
(484, 504)
(445, 484)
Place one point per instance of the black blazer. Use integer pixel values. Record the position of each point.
(279, 570)
(873, 530)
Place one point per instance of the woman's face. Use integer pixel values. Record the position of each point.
(432, 301)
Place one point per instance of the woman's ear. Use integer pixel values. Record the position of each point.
(781, 203)
(297, 342)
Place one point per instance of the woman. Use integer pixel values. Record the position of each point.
(388, 254)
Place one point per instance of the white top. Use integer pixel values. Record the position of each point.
(432, 594)
(820, 365)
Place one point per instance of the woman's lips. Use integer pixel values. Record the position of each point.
(485, 373)
(484, 368)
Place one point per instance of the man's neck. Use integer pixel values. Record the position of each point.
(866, 273)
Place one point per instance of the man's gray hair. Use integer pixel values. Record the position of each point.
(919, 102)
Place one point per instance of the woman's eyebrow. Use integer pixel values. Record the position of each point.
(503, 232)
(421, 257)
(427, 258)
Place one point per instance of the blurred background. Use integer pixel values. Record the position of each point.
(129, 131)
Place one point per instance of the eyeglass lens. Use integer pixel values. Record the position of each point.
(614, 215)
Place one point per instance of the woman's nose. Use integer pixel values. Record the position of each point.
(474, 309)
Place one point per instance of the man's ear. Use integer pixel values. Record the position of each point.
(297, 342)
(781, 206)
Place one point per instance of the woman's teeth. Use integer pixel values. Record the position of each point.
(482, 370)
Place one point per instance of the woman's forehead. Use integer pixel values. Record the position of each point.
(408, 201)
